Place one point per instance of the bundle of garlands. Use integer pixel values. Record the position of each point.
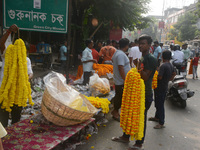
(102, 103)
(155, 80)
(15, 88)
(133, 105)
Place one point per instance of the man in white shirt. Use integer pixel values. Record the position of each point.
(87, 60)
(177, 55)
(134, 54)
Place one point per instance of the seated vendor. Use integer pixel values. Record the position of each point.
(2, 134)
(107, 52)
(87, 60)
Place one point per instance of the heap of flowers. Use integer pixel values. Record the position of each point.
(15, 88)
(102, 103)
(133, 105)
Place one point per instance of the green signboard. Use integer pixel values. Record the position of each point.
(37, 15)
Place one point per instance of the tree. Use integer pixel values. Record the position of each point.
(186, 27)
(151, 30)
(173, 33)
(127, 14)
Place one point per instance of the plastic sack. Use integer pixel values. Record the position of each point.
(99, 86)
(57, 87)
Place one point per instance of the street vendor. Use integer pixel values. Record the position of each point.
(121, 66)
(107, 52)
(63, 57)
(87, 60)
(146, 69)
(16, 111)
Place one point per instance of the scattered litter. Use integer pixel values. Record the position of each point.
(172, 136)
(185, 137)
(81, 87)
(40, 119)
(92, 146)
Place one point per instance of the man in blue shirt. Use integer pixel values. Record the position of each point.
(157, 52)
(87, 60)
(63, 57)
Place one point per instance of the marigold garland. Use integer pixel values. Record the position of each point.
(100, 103)
(101, 69)
(155, 80)
(15, 88)
(133, 105)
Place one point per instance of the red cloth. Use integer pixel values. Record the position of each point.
(95, 54)
(195, 61)
(26, 136)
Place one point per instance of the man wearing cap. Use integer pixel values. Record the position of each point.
(186, 51)
(157, 52)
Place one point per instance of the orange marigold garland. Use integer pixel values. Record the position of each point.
(133, 105)
(155, 80)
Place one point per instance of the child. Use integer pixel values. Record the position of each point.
(2, 134)
(166, 73)
(195, 65)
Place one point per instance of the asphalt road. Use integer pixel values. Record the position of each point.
(182, 130)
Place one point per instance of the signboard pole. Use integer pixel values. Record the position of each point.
(69, 40)
(1, 17)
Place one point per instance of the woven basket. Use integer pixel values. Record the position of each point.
(61, 115)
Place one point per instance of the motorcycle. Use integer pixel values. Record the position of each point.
(177, 88)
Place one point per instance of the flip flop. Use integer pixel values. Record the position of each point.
(117, 119)
(159, 126)
(134, 148)
(119, 139)
(153, 119)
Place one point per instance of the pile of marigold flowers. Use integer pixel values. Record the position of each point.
(15, 88)
(102, 103)
(133, 105)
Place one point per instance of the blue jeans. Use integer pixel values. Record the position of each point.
(148, 101)
(159, 104)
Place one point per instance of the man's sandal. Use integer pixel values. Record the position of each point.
(153, 119)
(159, 126)
(120, 139)
(135, 148)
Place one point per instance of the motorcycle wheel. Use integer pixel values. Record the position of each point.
(183, 104)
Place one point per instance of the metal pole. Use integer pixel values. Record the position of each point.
(68, 39)
(1, 16)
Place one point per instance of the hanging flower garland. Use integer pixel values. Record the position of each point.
(133, 105)
(15, 88)
(155, 80)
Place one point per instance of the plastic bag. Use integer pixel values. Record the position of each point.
(99, 86)
(57, 87)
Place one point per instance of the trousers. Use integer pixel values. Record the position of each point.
(117, 99)
(15, 115)
(159, 104)
(86, 77)
(195, 71)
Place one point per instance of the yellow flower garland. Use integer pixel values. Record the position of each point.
(15, 88)
(133, 105)
(100, 103)
(155, 80)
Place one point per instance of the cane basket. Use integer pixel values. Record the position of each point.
(62, 115)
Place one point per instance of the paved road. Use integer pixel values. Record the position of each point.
(182, 130)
